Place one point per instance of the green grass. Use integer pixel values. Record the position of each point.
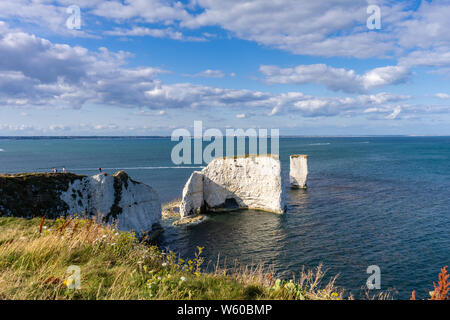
(35, 255)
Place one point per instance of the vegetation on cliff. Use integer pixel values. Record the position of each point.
(34, 194)
(35, 256)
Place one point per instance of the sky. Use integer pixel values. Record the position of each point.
(148, 67)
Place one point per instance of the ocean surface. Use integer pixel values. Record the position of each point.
(370, 201)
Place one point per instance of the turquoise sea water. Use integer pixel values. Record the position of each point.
(371, 201)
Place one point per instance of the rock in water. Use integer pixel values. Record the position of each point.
(246, 182)
(298, 171)
(192, 202)
(117, 198)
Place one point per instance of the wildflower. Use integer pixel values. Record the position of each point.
(68, 282)
(183, 279)
(334, 294)
(164, 264)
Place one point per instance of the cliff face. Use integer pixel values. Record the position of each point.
(252, 182)
(117, 198)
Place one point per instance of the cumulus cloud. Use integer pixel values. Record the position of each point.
(209, 73)
(330, 106)
(442, 95)
(302, 27)
(426, 27)
(336, 79)
(151, 11)
(36, 71)
(75, 76)
(155, 32)
(320, 28)
(436, 57)
(394, 113)
(385, 76)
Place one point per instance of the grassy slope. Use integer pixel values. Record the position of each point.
(114, 265)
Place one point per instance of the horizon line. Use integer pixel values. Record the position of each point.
(168, 136)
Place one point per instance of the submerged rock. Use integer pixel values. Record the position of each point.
(298, 171)
(247, 182)
(189, 221)
(116, 199)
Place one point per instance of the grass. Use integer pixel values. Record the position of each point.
(36, 254)
(171, 209)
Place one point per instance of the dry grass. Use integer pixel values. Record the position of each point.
(309, 285)
(35, 255)
(191, 220)
(171, 209)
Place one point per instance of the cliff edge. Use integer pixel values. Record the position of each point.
(115, 198)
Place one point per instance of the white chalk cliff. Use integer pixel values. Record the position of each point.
(298, 170)
(247, 182)
(119, 199)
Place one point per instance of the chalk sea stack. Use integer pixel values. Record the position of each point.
(230, 183)
(116, 198)
(298, 171)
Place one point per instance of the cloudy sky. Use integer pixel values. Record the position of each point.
(146, 67)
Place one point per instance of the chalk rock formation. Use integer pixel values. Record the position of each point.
(247, 182)
(192, 202)
(298, 171)
(117, 198)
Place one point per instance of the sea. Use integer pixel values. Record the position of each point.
(370, 201)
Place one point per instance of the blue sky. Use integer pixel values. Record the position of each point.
(148, 67)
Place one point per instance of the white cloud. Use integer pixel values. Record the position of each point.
(156, 33)
(336, 79)
(17, 128)
(442, 95)
(428, 27)
(102, 127)
(302, 27)
(74, 76)
(35, 72)
(331, 106)
(385, 76)
(394, 113)
(151, 11)
(56, 127)
(209, 73)
(320, 28)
